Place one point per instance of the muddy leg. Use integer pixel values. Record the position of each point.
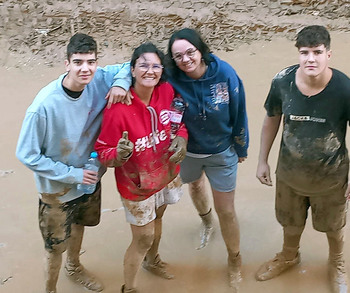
(291, 241)
(200, 199)
(52, 269)
(73, 268)
(152, 261)
(142, 240)
(224, 206)
(336, 263)
(74, 245)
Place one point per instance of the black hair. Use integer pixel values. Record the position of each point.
(81, 43)
(195, 39)
(313, 36)
(147, 47)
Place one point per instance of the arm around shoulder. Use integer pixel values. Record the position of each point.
(120, 87)
(123, 77)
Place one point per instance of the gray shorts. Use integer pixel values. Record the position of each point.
(140, 213)
(55, 220)
(220, 168)
(328, 211)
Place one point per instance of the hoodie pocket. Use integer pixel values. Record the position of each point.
(158, 178)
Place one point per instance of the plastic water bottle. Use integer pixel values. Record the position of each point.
(177, 109)
(92, 164)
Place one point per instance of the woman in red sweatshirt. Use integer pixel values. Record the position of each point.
(135, 139)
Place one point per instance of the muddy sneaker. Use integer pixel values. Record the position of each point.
(275, 267)
(207, 229)
(205, 235)
(337, 276)
(123, 290)
(158, 267)
(234, 272)
(83, 277)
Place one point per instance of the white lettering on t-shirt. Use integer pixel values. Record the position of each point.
(306, 118)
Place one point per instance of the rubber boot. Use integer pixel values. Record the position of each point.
(207, 228)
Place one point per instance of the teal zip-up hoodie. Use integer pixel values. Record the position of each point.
(215, 114)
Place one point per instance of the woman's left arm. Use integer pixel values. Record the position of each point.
(240, 130)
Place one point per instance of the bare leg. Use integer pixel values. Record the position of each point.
(74, 245)
(336, 263)
(200, 199)
(74, 270)
(152, 262)
(142, 240)
(336, 242)
(224, 206)
(52, 269)
(153, 251)
(291, 241)
(199, 195)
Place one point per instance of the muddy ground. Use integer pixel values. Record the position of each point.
(37, 31)
(256, 38)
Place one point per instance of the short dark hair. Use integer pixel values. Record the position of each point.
(147, 47)
(81, 43)
(195, 39)
(313, 36)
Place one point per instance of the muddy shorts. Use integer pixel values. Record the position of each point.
(140, 213)
(221, 169)
(328, 211)
(55, 219)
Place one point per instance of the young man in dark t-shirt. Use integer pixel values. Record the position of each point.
(313, 163)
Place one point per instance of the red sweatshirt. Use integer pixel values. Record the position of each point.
(148, 170)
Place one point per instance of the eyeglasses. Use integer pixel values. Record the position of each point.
(145, 67)
(178, 57)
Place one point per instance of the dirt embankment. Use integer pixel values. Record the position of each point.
(39, 30)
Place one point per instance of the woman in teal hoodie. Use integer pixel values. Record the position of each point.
(216, 120)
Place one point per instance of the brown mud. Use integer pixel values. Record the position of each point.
(255, 37)
(37, 31)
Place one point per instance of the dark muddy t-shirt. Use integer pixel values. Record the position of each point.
(313, 158)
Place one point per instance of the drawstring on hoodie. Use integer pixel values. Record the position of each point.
(203, 103)
(154, 125)
(200, 102)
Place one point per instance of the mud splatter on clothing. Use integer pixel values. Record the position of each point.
(148, 170)
(56, 218)
(313, 158)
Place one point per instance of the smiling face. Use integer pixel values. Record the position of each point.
(314, 60)
(186, 56)
(147, 71)
(81, 68)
